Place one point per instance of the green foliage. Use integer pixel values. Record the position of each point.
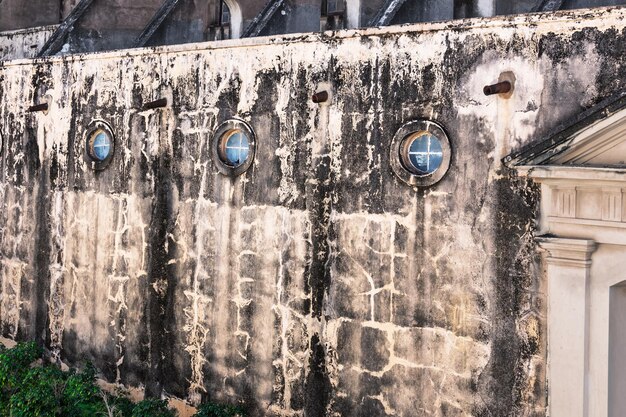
(40, 394)
(46, 391)
(31, 388)
(220, 410)
(15, 363)
(14, 366)
(152, 408)
(81, 395)
(120, 406)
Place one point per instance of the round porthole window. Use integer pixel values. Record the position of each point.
(420, 153)
(99, 144)
(233, 147)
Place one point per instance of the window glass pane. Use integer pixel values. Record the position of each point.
(101, 147)
(236, 149)
(225, 14)
(425, 153)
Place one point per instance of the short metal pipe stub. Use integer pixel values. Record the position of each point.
(42, 107)
(502, 87)
(320, 97)
(155, 104)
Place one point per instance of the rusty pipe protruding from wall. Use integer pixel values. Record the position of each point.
(502, 87)
(320, 97)
(162, 102)
(38, 107)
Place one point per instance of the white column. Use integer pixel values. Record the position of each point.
(617, 348)
(568, 262)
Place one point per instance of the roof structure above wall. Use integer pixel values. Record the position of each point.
(156, 22)
(100, 25)
(56, 41)
(548, 5)
(190, 21)
(387, 13)
(262, 19)
(391, 10)
(596, 137)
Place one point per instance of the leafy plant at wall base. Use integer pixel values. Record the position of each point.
(32, 388)
(120, 406)
(82, 397)
(40, 395)
(14, 365)
(48, 391)
(220, 410)
(152, 408)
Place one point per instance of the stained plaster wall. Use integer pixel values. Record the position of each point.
(24, 43)
(316, 283)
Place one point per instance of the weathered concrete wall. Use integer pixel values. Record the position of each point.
(19, 14)
(316, 283)
(109, 25)
(25, 43)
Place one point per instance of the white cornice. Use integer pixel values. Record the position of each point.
(575, 253)
(582, 202)
(569, 173)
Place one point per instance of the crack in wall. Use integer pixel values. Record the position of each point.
(14, 267)
(56, 303)
(12, 275)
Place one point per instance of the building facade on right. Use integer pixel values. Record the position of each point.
(582, 172)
